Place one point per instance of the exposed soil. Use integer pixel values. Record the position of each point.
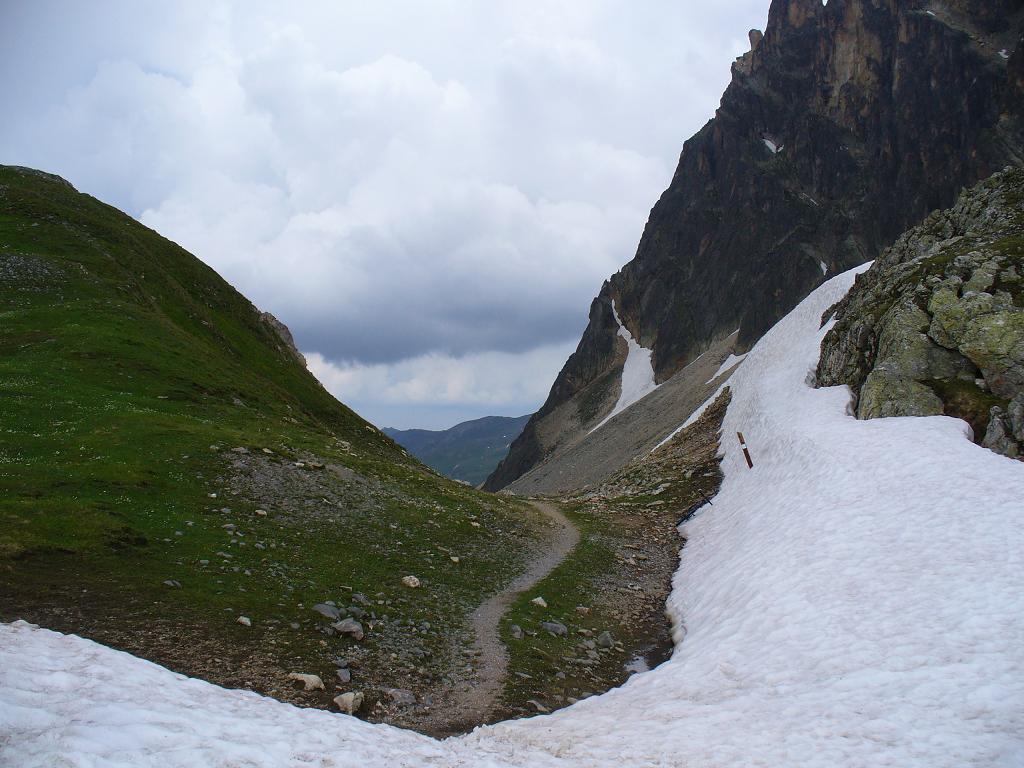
(476, 693)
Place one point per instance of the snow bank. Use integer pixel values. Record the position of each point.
(637, 373)
(855, 599)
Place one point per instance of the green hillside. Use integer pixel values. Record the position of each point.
(468, 451)
(154, 428)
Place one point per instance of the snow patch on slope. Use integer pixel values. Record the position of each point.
(857, 598)
(637, 373)
(729, 362)
(692, 418)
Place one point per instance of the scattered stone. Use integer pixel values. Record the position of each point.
(350, 627)
(401, 697)
(173, 583)
(245, 621)
(410, 581)
(350, 702)
(344, 675)
(328, 611)
(540, 601)
(309, 682)
(605, 640)
(556, 628)
(261, 512)
(517, 631)
(239, 449)
(582, 610)
(541, 709)
(453, 558)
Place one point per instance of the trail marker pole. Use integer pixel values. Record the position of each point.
(746, 453)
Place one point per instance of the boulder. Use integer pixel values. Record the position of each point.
(349, 702)
(328, 611)
(556, 628)
(309, 682)
(350, 627)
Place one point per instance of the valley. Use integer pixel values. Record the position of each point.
(179, 487)
(767, 513)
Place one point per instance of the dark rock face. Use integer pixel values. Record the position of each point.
(843, 126)
(936, 325)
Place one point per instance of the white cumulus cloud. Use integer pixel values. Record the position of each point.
(410, 187)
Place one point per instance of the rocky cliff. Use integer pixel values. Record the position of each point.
(844, 125)
(936, 325)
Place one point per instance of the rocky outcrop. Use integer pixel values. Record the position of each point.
(284, 336)
(844, 124)
(936, 325)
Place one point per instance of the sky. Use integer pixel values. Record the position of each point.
(429, 194)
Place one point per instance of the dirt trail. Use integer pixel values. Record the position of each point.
(474, 699)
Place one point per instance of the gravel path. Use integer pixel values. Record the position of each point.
(472, 702)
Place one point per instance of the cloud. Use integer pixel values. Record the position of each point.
(398, 183)
(438, 387)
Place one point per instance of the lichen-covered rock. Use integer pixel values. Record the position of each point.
(1005, 432)
(936, 325)
(888, 394)
(995, 343)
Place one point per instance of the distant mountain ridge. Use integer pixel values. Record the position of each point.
(468, 451)
(844, 125)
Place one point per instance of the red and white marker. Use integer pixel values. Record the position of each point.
(746, 453)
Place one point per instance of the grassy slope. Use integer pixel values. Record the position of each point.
(123, 360)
